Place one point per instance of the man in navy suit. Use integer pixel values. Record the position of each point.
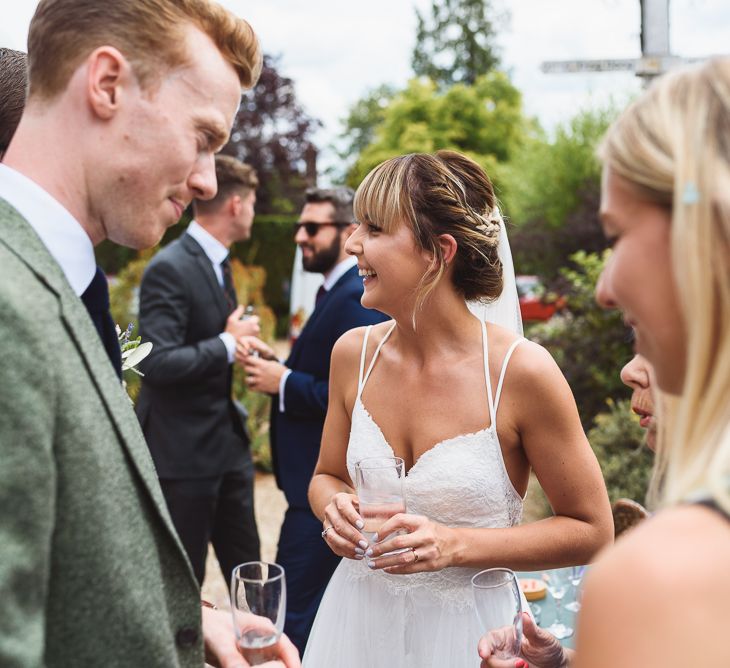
(299, 388)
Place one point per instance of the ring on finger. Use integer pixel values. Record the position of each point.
(415, 555)
(326, 529)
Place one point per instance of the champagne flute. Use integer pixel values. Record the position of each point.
(576, 575)
(558, 581)
(499, 608)
(258, 605)
(379, 486)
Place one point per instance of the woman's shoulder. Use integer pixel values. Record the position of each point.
(529, 361)
(349, 346)
(680, 555)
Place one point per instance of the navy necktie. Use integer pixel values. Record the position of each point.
(96, 301)
(228, 287)
(320, 294)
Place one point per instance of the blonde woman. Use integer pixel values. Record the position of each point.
(659, 598)
(470, 406)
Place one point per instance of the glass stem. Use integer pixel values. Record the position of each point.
(558, 610)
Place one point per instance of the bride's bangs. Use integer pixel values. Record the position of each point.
(381, 198)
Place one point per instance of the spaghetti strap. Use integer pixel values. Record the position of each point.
(485, 353)
(362, 380)
(362, 359)
(504, 370)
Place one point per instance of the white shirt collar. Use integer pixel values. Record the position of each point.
(59, 231)
(213, 248)
(338, 271)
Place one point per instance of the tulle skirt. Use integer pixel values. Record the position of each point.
(373, 620)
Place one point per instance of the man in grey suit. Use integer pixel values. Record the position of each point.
(196, 432)
(125, 110)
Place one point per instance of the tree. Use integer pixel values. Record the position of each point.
(457, 44)
(273, 134)
(363, 119)
(484, 121)
(552, 193)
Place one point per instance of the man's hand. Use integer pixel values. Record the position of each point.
(238, 328)
(220, 643)
(252, 346)
(263, 375)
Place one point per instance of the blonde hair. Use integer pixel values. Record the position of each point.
(443, 193)
(673, 146)
(150, 34)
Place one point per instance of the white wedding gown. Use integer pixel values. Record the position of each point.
(369, 619)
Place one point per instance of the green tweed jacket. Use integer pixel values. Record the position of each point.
(91, 570)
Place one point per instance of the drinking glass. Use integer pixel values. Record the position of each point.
(499, 608)
(576, 575)
(379, 486)
(558, 581)
(258, 605)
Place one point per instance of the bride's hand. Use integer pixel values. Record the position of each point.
(341, 527)
(428, 546)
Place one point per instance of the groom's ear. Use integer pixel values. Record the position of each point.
(448, 247)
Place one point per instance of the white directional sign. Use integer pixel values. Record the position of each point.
(607, 65)
(656, 57)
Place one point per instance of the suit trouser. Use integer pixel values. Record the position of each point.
(218, 510)
(308, 564)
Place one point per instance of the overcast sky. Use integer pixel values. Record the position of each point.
(335, 50)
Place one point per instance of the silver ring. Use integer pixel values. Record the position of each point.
(415, 555)
(324, 533)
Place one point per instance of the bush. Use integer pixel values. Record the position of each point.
(272, 247)
(618, 441)
(249, 283)
(589, 343)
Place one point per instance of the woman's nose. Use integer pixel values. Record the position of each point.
(353, 245)
(604, 293)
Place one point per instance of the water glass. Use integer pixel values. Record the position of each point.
(499, 608)
(379, 486)
(558, 582)
(258, 605)
(576, 576)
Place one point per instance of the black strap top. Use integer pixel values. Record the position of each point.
(713, 505)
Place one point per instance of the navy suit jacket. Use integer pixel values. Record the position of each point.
(297, 432)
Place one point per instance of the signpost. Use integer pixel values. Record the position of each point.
(656, 57)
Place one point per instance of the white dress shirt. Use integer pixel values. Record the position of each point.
(60, 232)
(330, 278)
(216, 252)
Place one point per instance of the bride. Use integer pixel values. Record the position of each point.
(470, 407)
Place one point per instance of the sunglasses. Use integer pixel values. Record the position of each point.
(313, 228)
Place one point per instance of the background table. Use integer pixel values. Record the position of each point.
(547, 607)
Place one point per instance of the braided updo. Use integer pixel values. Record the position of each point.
(443, 193)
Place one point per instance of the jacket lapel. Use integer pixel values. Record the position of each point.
(206, 268)
(318, 312)
(22, 240)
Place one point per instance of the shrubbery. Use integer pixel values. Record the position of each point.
(626, 462)
(589, 344)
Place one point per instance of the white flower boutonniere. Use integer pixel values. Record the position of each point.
(133, 350)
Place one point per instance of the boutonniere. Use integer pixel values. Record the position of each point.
(133, 350)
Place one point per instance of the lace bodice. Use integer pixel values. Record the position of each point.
(460, 482)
